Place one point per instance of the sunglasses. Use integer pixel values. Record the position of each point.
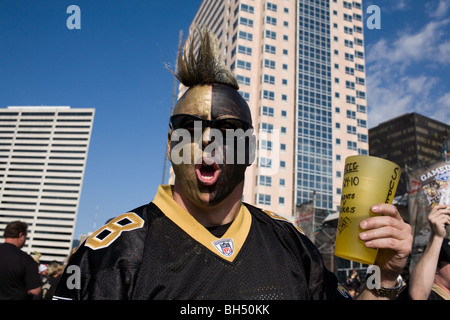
(187, 121)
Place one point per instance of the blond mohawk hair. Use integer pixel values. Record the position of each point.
(206, 67)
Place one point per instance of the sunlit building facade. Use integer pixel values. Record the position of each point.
(43, 153)
(300, 66)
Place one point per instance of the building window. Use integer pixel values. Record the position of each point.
(271, 35)
(265, 181)
(350, 85)
(245, 95)
(264, 199)
(362, 137)
(351, 145)
(348, 17)
(265, 162)
(362, 123)
(351, 129)
(244, 65)
(266, 145)
(271, 20)
(245, 50)
(350, 71)
(360, 108)
(247, 8)
(269, 95)
(245, 36)
(243, 80)
(269, 79)
(270, 49)
(267, 111)
(350, 99)
(360, 94)
(246, 22)
(363, 152)
(271, 7)
(360, 81)
(266, 127)
(269, 64)
(351, 114)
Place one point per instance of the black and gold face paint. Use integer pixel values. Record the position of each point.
(205, 179)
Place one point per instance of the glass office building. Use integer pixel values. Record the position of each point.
(314, 170)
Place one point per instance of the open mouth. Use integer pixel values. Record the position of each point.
(207, 174)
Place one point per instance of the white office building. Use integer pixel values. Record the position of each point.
(43, 153)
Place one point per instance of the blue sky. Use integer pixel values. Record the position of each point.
(115, 64)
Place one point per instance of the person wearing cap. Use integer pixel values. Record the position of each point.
(19, 275)
(430, 279)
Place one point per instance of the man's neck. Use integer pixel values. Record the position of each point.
(14, 241)
(210, 216)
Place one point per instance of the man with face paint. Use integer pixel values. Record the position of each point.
(210, 179)
(197, 239)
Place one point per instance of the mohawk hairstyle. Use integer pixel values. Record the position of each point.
(206, 67)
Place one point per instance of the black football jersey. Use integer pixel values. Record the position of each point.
(159, 251)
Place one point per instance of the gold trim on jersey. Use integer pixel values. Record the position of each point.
(238, 230)
(440, 292)
(278, 217)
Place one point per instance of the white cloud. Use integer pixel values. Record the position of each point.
(441, 109)
(409, 48)
(439, 11)
(401, 78)
(390, 98)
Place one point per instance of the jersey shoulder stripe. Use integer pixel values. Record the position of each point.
(273, 216)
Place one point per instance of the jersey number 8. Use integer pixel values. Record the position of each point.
(106, 235)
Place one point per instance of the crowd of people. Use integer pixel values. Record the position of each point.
(22, 277)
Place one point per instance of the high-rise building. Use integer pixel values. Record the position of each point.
(43, 153)
(300, 66)
(409, 140)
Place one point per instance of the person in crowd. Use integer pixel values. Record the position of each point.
(430, 278)
(54, 273)
(354, 281)
(19, 275)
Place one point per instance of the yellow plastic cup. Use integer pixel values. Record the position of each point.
(367, 181)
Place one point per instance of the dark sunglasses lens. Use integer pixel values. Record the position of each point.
(183, 122)
(231, 124)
